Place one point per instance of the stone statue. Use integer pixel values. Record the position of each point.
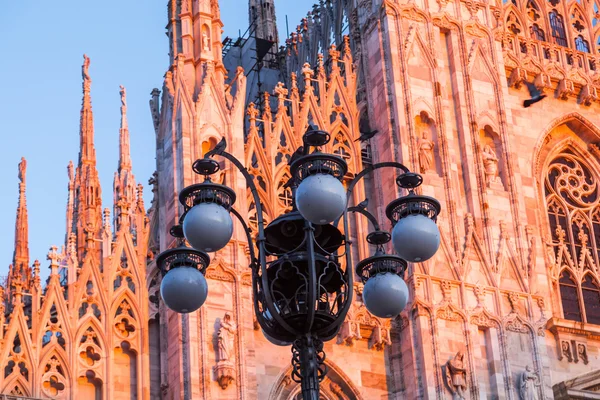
(456, 376)
(225, 370)
(425, 152)
(226, 338)
(22, 170)
(527, 383)
(490, 164)
(123, 93)
(87, 81)
(205, 42)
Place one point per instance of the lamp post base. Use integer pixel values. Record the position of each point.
(307, 365)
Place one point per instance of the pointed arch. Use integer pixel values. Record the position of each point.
(590, 289)
(17, 385)
(569, 295)
(284, 388)
(60, 355)
(513, 21)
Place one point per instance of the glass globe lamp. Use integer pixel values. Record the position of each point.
(385, 295)
(207, 224)
(183, 288)
(320, 197)
(415, 236)
(208, 227)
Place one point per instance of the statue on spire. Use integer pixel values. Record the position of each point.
(123, 93)
(87, 81)
(22, 170)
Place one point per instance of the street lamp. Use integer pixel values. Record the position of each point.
(301, 289)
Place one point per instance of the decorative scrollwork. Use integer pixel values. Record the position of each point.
(308, 366)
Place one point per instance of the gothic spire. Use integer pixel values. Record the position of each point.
(262, 20)
(87, 153)
(124, 182)
(87, 205)
(20, 267)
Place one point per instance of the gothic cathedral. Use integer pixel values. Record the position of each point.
(509, 308)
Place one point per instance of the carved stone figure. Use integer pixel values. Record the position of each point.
(22, 170)
(205, 42)
(528, 381)
(456, 376)
(225, 369)
(582, 353)
(123, 93)
(490, 164)
(87, 81)
(226, 337)
(425, 152)
(566, 350)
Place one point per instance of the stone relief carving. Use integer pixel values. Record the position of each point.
(225, 368)
(349, 332)
(456, 376)
(565, 350)
(527, 383)
(582, 353)
(490, 165)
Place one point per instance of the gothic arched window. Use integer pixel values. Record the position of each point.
(581, 44)
(569, 297)
(558, 29)
(591, 299)
(573, 207)
(537, 33)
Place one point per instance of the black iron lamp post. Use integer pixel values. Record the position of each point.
(301, 289)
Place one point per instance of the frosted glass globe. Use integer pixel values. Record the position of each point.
(321, 199)
(385, 295)
(416, 238)
(208, 227)
(184, 289)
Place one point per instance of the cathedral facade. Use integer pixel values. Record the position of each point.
(509, 308)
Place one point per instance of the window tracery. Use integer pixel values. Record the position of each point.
(558, 28)
(572, 201)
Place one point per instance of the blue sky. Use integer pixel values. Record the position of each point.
(42, 51)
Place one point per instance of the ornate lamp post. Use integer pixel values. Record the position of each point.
(301, 290)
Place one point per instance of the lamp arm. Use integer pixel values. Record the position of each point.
(249, 181)
(260, 241)
(371, 168)
(368, 170)
(367, 214)
(248, 235)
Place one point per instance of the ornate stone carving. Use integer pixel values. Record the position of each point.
(380, 338)
(565, 89)
(349, 332)
(456, 376)
(225, 368)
